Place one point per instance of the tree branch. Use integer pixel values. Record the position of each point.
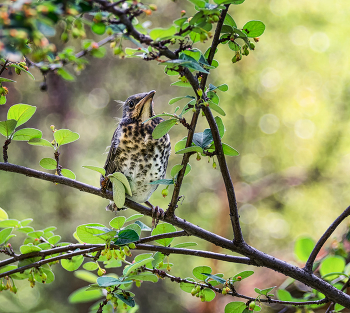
(260, 258)
(323, 239)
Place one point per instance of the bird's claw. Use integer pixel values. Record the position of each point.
(157, 214)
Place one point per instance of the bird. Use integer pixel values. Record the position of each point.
(135, 153)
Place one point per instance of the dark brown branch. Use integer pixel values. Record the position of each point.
(323, 239)
(4, 150)
(238, 237)
(258, 257)
(175, 197)
(89, 248)
(346, 285)
(180, 233)
(199, 253)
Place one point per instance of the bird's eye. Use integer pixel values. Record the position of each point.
(131, 104)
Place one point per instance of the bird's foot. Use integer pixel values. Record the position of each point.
(157, 214)
(103, 183)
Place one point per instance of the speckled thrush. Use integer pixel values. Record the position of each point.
(135, 153)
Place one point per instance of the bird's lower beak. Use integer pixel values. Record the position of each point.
(144, 108)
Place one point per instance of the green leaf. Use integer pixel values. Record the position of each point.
(234, 46)
(2, 99)
(133, 217)
(181, 84)
(284, 295)
(40, 142)
(54, 239)
(173, 100)
(128, 300)
(163, 228)
(121, 177)
(158, 33)
(176, 169)
(21, 113)
(187, 287)
(4, 234)
(199, 270)
(254, 28)
(118, 193)
(144, 277)
(303, 247)
(26, 134)
(228, 2)
(82, 295)
(185, 245)
(220, 125)
(65, 74)
(190, 149)
(65, 136)
(229, 21)
(266, 291)
(107, 281)
(48, 163)
(203, 139)
(216, 278)
(117, 222)
(216, 108)
(199, 3)
(7, 127)
(9, 223)
(228, 150)
(87, 276)
(98, 28)
(6, 80)
(163, 182)
(29, 248)
(3, 215)
(126, 236)
(128, 269)
(338, 307)
(242, 275)
(162, 128)
(208, 294)
(332, 264)
(68, 173)
(73, 263)
(143, 226)
(91, 266)
(95, 168)
(26, 221)
(98, 53)
(235, 307)
(87, 235)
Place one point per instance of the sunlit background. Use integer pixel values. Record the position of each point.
(287, 114)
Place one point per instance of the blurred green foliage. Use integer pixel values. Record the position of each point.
(287, 112)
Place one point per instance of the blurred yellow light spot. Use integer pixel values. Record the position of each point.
(270, 78)
(269, 123)
(248, 213)
(250, 164)
(304, 129)
(319, 42)
(300, 35)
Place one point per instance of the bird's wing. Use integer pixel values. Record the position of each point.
(111, 166)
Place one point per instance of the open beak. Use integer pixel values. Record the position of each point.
(144, 109)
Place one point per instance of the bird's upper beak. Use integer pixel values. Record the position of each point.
(144, 109)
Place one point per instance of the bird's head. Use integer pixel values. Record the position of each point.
(139, 106)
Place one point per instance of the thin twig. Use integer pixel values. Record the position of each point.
(3, 67)
(4, 150)
(162, 236)
(323, 239)
(233, 293)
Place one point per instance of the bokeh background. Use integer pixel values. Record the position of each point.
(287, 114)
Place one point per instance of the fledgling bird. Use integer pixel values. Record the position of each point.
(135, 153)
